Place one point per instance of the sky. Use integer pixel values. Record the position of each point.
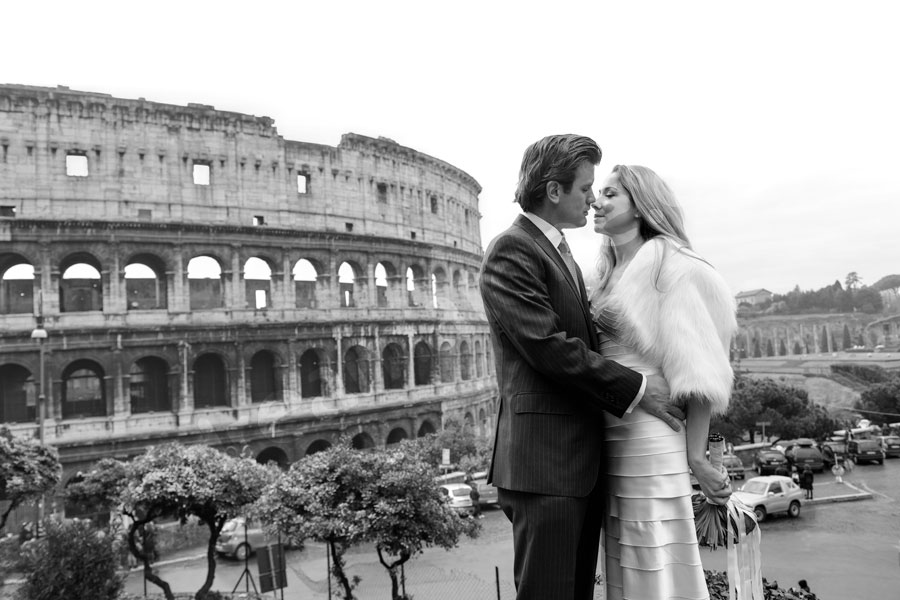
(777, 124)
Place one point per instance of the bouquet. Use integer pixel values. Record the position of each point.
(710, 518)
(734, 526)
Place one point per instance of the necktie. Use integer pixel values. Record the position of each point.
(568, 259)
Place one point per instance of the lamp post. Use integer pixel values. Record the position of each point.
(40, 334)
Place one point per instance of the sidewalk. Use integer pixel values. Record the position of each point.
(830, 491)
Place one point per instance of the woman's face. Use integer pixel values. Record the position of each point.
(614, 211)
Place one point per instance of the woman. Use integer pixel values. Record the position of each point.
(660, 309)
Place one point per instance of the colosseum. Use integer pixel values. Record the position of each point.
(200, 278)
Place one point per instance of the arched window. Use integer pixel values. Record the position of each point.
(396, 435)
(205, 283)
(210, 382)
(465, 362)
(413, 287)
(363, 441)
(310, 375)
(426, 428)
(440, 295)
(16, 289)
(356, 370)
(305, 277)
(274, 454)
(148, 386)
(479, 359)
(318, 446)
(257, 283)
(459, 289)
(145, 284)
(422, 364)
(80, 289)
(83, 393)
(17, 395)
(346, 280)
(447, 363)
(393, 367)
(381, 285)
(483, 427)
(264, 378)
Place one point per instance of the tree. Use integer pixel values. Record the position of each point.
(27, 471)
(181, 481)
(881, 398)
(73, 562)
(469, 452)
(344, 497)
(852, 280)
(846, 342)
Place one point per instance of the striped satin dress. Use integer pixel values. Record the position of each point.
(650, 539)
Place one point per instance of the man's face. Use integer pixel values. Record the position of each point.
(572, 207)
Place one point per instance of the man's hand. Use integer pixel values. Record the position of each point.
(656, 402)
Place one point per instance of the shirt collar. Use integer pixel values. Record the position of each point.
(550, 232)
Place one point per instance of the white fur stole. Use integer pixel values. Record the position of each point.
(677, 311)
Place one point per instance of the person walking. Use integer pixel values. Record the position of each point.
(806, 481)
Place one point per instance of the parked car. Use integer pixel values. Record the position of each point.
(801, 456)
(734, 465)
(767, 460)
(487, 492)
(459, 495)
(233, 543)
(865, 451)
(833, 451)
(890, 445)
(771, 494)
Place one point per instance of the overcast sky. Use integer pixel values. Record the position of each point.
(776, 123)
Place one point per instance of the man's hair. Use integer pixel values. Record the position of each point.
(553, 158)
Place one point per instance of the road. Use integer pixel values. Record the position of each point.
(846, 551)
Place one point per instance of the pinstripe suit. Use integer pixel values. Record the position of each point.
(554, 387)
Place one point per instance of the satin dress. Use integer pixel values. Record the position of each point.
(650, 538)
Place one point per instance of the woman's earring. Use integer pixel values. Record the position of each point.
(637, 215)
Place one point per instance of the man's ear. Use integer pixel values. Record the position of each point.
(554, 189)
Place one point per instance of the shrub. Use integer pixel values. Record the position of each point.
(866, 373)
(74, 561)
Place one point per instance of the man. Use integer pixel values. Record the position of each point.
(554, 385)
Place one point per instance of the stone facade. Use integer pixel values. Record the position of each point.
(202, 279)
(780, 335)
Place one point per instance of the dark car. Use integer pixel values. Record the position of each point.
(833, 451)
(767, 460)
(802, 456)
(865, 451)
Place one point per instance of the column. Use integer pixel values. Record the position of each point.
(411, 371)
(339, 384)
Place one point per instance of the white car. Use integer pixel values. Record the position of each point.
(771, 494)
(459, 495)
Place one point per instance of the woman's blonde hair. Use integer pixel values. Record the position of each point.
(659, 211)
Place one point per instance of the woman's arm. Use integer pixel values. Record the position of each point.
(697, 428)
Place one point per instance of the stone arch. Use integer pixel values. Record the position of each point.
(148, 385)
(274, 454)
(83, 390)
(265, 385)
(312, 369)
(17, 394)
(210, 381)
(483, 428)
(385, 283)
(205, 284)
(16, 285)
(422, 363)
(363, 441)
(349, 273)
(80, 284)
(426, 428)
(465, 361)
(257, 282)
(469, 420)
(440, 289)
(145, 283)
(356, 370)
(479, 360)
(305, 277)
(396, 435)
(319, 445)
(447, 363)
(393, 367)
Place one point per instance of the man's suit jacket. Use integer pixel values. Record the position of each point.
(554, 385)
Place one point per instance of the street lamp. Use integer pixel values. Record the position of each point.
(40, 334)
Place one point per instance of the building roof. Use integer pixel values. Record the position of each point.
(752, 293)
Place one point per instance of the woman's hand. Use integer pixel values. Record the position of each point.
(715, 485)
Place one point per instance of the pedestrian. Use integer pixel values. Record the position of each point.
(474, 495)
(806, 481)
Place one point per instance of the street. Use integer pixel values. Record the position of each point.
(846, 551)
